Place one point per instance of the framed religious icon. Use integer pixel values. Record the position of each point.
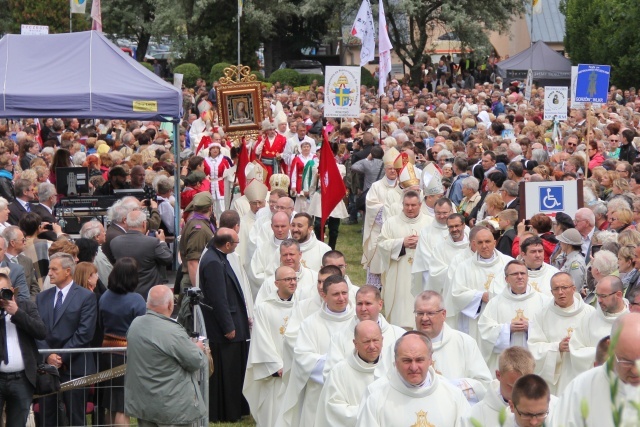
(239, 103)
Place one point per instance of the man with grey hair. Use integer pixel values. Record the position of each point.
(117, 215)
(94, 230)
(21, 205)
(16, 271)
(148, 249)
(47, 199)
(427, 399)
(514, 152)
(15, 243)
(164, 189)
(585, 221)
(69, 312)
(509, 193)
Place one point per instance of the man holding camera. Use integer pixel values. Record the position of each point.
(20, 326)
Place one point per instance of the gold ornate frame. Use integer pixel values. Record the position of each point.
(240, 110)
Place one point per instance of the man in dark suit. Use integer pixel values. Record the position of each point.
(151, 252)
(118, 217)
(227, 328)
(509, 192)
(69, 313)
(16, 273)
(25, 194)
(20, 325)
(47, 197)
(15, 246)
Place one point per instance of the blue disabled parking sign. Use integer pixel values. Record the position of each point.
(551, 198)
(592, 83)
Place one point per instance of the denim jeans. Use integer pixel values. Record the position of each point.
(16, 393)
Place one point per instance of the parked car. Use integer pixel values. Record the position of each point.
(304, 66)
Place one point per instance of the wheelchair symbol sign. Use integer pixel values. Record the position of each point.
(551, 199)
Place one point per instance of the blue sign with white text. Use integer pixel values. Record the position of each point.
(592, 83)
(551, 198)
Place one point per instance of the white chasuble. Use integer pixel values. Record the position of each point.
(487, 411)
(261, 264)
(373, 223)
(396, 262)
(261, 389)
(591, 330)
(456, 356)
(307, 286)
(470, 281)
(495, 322)
(343, 391)
(305, 381)
(540, 280)
(547, 329)
(390, 402)
(312, 251)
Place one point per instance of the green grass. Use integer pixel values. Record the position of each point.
(350, 244)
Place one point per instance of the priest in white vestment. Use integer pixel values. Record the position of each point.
(432, 190)
(349, 379)
(531, 403)
(611, 305)
(368, 307)
(505, 321)
(513, 363)
(532, 253)
(264, 215)
(301, 397)
(551, 329)
(439, 243)
(263, 380)
(265, 232)
(374, 203)
(255, 192)
(312, 248)
(475, 282)
(290, 256)
(592, 389)
(262, 264)
(412, 394)
(397, 245)
(456, 355)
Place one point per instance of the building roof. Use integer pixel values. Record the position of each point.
(548, 26)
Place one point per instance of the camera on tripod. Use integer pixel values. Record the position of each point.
(194, 295)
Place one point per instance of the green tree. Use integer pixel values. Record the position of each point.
(54, 13)
(596, 33)
(409, 23)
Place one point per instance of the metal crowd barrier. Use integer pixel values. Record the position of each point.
(99, 389)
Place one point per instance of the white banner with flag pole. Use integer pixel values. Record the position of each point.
(78, 6)
(342, 86)
(384, 50)
(364, 29)
(96, 15)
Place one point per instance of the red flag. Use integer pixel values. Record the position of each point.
(332, 189)
(243, 161)
(39, 132)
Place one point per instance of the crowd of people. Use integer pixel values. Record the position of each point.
(470, 310)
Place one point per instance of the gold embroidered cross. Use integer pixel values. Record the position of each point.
(283, 328)
(487, 284)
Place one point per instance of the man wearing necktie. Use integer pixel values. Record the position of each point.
(25, 194)
(69, 313)
(20, 326)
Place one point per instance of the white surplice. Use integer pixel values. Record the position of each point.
(241, 205)
(343, 390)
(456, 356)
(261, 389)
(547, 328)
(307, 285)
(312, 252)
(342, 343)
(488, 409)
(456, 261)
(540, 280)
(300, 400)
(470, 280)
(591, 330)
(396, 276)
(391, 402)
(264, 262)
(495, 322)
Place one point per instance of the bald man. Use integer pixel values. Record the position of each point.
(162, 357)
(267, 256)
(592, 388)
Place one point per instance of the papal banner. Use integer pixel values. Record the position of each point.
(342, 92)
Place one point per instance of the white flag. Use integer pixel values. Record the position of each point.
(78, 6)
(364, 30)
(384, 50)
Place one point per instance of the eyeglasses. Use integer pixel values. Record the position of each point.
(526, 416)
(603, 296)
(614, 139)
(429, 314)
(561, 289)
(624, 362)
(287, 279)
